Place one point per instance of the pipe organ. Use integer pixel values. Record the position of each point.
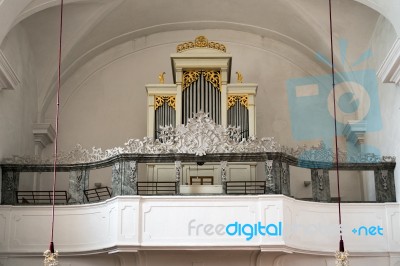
(201, 71)
(201, 91)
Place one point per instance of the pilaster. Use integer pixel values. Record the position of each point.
(320, 185)
(124, 178)
(224, 171)
(178, 175)
(9, 187)
(78, 182)
(384, 186)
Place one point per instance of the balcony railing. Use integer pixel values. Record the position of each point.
(41, 197)
(157, 188)
(245, 187)
(125, 181)
(97, 194)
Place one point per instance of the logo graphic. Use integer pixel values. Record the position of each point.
(311, 102)
(368, 231)
(251, 230)
(236, 229)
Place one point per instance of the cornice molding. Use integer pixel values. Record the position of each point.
(43, 133)
(8, 78)
(355, 131)
(389, 71)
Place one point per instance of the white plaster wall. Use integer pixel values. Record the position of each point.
(18, 107)
(387, 139)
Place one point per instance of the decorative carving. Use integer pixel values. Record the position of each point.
(233, 99)
(239, 78)
(224, 165)
(320, 175)
(388, 158)
(189, 77)
(161, 77)
(201, 136)
(133, 172)
(384, 178)
(214, 77)
(159, 101)
(200, 42)
(269, 181)
(325, 156)
(178, 170)
(283, 173)
(78, 182)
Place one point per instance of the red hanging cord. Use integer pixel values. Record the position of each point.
(341, 243)
(56, 130)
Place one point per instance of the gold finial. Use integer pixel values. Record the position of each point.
(161, 77)
(239, 77)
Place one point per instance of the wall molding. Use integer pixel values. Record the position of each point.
(389, 71)
(8, 78)
(354, 131)
(43, 133)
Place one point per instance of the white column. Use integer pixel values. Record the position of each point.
(150, 116)
(252, 114)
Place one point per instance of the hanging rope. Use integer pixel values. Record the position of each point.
(56, 130)
(341, 243)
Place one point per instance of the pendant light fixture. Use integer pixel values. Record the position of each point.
(51, 255)
(342, 254)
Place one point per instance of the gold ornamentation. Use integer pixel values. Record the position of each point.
(214, 77)
(161, 77)
(189, 77)
(171, 102)
(200, 42)
(159, 101)
(243, 99)
(239, 77)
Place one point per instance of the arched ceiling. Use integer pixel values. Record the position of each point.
(92, 26)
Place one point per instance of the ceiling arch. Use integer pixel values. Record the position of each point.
(93, 26)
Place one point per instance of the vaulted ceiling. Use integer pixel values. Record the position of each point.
(92, 26)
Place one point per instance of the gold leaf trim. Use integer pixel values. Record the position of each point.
(200, 42)
(233, 99)
(159, 101)
(214, 77)
(171, 102)
(189, 77)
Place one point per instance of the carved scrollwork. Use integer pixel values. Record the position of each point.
(159, 101)
(214, 77)
(320, 175)
(189, 77)
(200, 42)
(200, 136)
(233, 99)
